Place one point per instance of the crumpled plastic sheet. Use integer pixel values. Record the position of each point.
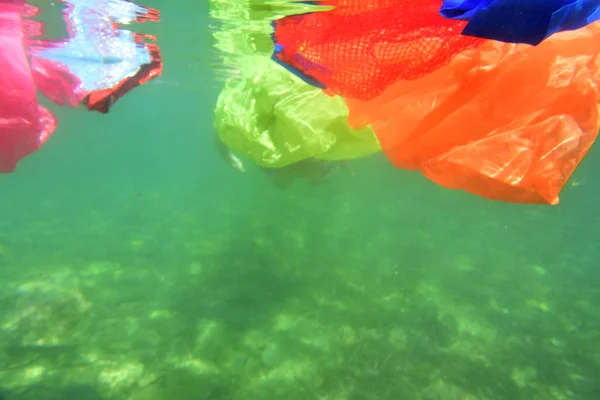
(95, 65)
(359, 47)
(519, 21)
(277, 120)
(504, 121)
(100, 61)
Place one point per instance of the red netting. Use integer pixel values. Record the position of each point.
(361, 47)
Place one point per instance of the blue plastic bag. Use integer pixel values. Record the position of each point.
(521, 21)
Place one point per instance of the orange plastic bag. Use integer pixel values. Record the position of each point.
(503, 121)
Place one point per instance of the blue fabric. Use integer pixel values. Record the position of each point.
(521, 21)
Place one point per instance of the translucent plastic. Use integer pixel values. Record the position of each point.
(272, 117)
(504, 121)
(24, 125)
(100, 61)
(96, 64)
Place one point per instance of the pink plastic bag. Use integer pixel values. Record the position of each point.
(24, 124)
(96, 64)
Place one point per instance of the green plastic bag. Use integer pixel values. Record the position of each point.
(271, 116)
(244, 26)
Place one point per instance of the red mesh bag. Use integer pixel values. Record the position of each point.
(360, 47)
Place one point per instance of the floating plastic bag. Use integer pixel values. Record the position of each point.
(504, 121)
(243, 27)
(272, 117)
(360, 47)
(519, 21)
(244, 44)
(98, 63)
(24, 124)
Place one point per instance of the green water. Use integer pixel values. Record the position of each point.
(136, 265)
